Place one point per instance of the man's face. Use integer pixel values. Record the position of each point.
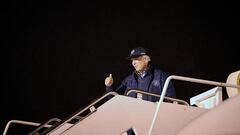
(140, 63)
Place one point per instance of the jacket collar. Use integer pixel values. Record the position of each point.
(148, 70)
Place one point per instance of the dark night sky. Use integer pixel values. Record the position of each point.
(57, 54)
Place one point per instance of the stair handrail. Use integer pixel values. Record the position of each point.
(21, 122)
(60, 124)
(187, 79)
(56, 120)
(155, 95)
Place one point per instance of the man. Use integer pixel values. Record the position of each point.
(145, 77)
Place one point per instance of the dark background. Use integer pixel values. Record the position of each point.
(56, 54)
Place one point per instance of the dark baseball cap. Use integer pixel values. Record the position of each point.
(136, 52)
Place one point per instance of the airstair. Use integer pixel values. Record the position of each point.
(121, 114)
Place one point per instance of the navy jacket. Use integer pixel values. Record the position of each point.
(152, 82)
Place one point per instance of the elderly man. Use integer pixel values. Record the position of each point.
(145, 77)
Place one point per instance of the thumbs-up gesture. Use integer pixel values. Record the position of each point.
(109, 80)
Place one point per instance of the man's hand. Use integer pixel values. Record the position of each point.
(109, 80)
